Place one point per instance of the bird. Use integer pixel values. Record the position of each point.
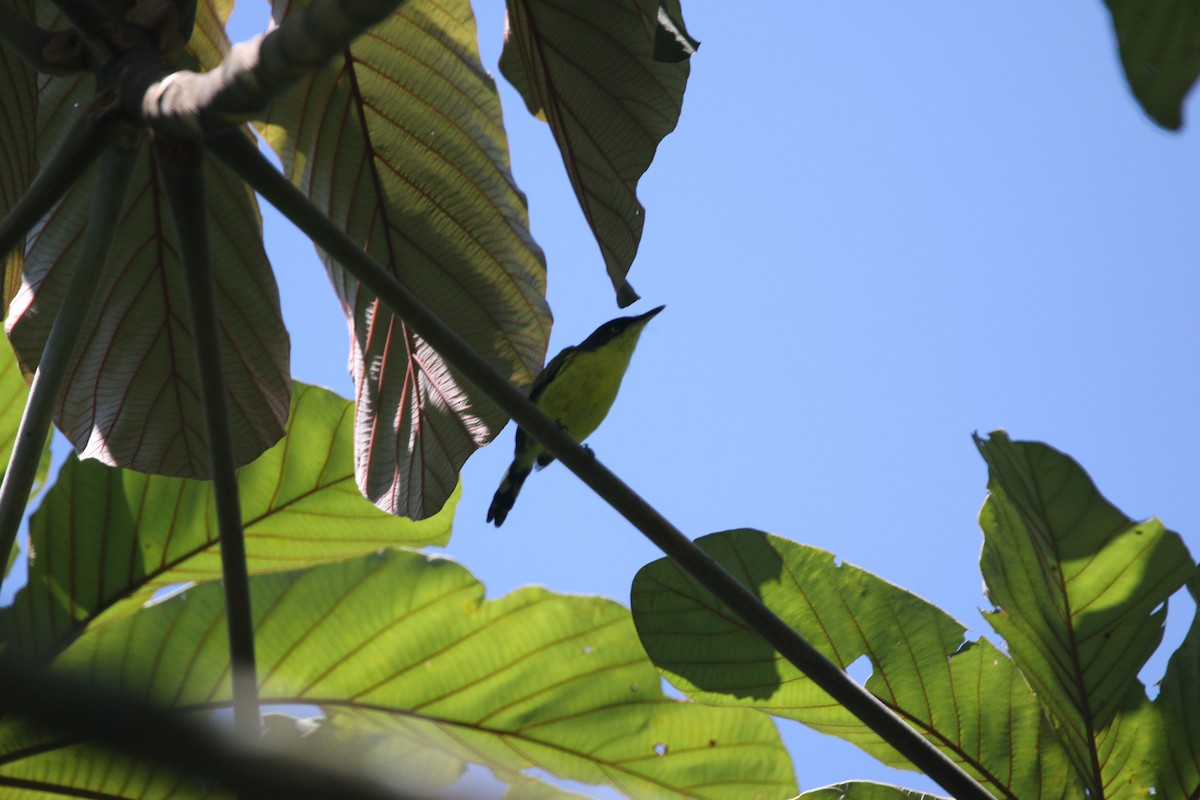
(577, 388)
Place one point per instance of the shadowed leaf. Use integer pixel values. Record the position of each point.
(130, 397)
(1080, 592)
(417, 672)
(401, 143)
(967, 698)
(106, 540)
(1160, 51)
(593, 71)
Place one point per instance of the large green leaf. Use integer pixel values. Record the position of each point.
(105, 540)
(402, 144)
(1160, 50)
(423, 675)
(1178, 704)
(131, 396)
(592, 70)
(1079, 591)
(967, 698)
(865, 790)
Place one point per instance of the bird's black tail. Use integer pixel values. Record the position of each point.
(506, 495)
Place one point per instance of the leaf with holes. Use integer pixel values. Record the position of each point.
(865, 790)
(609, 78)
(1160, 51)
(1178, 704)
(422, 674)
(967, 698)
(131, 397)
(106, 539)
(401, 143)
(1079, 591)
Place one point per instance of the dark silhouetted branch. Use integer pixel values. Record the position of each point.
(244, 157)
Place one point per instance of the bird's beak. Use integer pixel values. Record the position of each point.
(644, 318)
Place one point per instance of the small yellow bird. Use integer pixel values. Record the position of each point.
(577, 388)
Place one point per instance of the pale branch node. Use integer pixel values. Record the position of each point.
(256, 71)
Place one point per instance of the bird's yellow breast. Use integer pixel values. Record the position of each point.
(584, 390)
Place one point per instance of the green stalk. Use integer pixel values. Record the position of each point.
(182, 165)
(244, 157)
(86, 140)
(107, 204)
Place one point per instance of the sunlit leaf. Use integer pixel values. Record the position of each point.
(967, 698)
(865, 790)
(401, 142)
(1160, 51)
(411, 663)
(131, 397)
(1079, 591)
(590, 70)
(107, 539)
(1178, 704)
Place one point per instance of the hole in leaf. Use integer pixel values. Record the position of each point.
(660, 748)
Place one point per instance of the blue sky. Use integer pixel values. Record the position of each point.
(879, 228)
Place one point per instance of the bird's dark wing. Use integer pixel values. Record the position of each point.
(548, 373)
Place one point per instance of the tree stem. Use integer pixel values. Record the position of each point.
(182, 164)
(116, 167)
(244, 157)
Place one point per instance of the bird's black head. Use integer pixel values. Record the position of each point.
(614, 328)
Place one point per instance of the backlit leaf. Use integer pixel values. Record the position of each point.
(401, 143)
(865, 790)
(1079, 591)
(106, 539)
(1178, 704)
(18, 136)
(590, 70)
(967, 698)
(415, 667)
(130, 397)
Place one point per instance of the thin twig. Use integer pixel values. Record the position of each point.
(187, 745)
(183, 171)
(258, 70)
(116, 167)
(86, 140)
(244, 157)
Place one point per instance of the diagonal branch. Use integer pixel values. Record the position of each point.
(183, 170)
(98, 126)
(244, 157)
(256, 71)
(107, 204)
